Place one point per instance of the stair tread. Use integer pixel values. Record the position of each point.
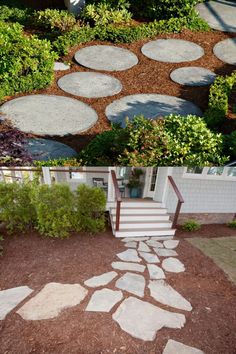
(140, 229)
(148, 221)
(130, 208)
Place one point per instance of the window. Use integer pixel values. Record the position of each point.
(216, 173)
(197, 170)
(232, 171)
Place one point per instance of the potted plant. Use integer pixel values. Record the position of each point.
(134, 184)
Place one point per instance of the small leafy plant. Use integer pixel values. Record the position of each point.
(1, 246)
(191, 225)
(55, 20)
(232, 224)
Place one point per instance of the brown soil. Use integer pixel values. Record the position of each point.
(31, 260)
(148, 76)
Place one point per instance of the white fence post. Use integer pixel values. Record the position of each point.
(47, 175)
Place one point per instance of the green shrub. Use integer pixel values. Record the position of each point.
(55, 20)
(1, 246)
(15, 14)
(16, 209)
(220, 91)
(57, 162)
(232, 224)
(54, 207)
(191, 225)
(90, 209)
(230, 144)
(26, 63)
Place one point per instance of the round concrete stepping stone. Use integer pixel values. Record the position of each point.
(51, 300)
(60, 66)
(106, 57)
(143, 247)
(149, 257)
(133, 283)
(151, 106)
(90, 85)
(226, 51)
(45, 149)
(135, 239)
(220, 15)
(142, 320)
(162, 252)
(174, 347)
(128, 266)
(131, 244)
(193, 76)
(171, 244)
(155, 272)
(155, 244)
(49, 114)
(172, 50)
(173, 265)
(103, 300)
(10, 298)
(129, 256)
(100, 280)
(166, 295)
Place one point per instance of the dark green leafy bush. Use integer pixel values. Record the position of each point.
(1, 246)
(230, 144)
(16, 209)
(90, 209)
(26, 63)
(191, 225)
(15, 14)
(55, 20)
(220, 91)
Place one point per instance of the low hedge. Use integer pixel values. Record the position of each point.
(26, 63)
(218, 103)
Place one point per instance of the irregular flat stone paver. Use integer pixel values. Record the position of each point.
(48, 114)
(193, 76)
(149, 257)
(155, 272)
(151, 106)
(90, 85)
(161, 238)
(10, 298)
(173, 265)
(129, 256)
(133, 283)
(60, 66)
(106, 57)
(143, 247)
(103, 300)
(128, 266)
(226, 51)
(155, 244)
(135, 239)
(171, 244)
(174, 347)
(51, 300)
(142, 320)
(45, 149)
(220, 15)
(100, 280)
(131, 244)
(165, 294)
(172, 50)
(163, 252)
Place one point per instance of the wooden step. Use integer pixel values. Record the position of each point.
(145, 225)
(144, 232)
(142, 217)
(139, 211)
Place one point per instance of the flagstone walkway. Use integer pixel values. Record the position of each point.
(140, 319)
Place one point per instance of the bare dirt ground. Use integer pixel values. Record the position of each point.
(31, 260)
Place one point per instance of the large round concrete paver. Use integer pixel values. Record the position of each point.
(172, 50)
(49, 114)
(220, 15)
(226, 50)
(90, 85)
(149, 105)
(45, 149)
(193, 76)
(106, 57)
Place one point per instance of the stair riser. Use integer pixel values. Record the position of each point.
(140, 211)
(141, 204)
(145, 225)
(133, 218)
(130, 233)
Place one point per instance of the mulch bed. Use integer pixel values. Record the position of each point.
(34, 261)
(148, 76)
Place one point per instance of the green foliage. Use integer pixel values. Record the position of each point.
(57, 162)
(191, 225)
(1, 246)
(134, 180)
(220, 91)
(90, 209)
(232, 224)
(54, 207)
(26, 63)
(16, 209)
(15, 14)
(55, 20)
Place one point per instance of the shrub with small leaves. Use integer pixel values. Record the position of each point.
(232, 224)
(191, 225)
(1, 246)
(55, 20)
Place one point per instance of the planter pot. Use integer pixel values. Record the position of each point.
(74, 6)
(135, 192)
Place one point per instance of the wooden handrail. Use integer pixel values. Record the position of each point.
(117, 199)
(180, 200)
